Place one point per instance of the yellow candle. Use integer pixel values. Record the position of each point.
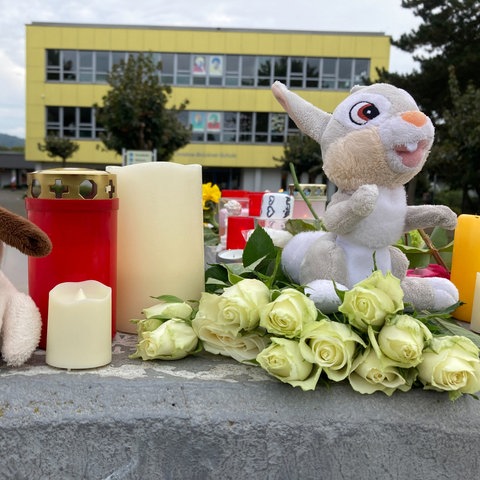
(466, 262)
(475, 323)
(160, 236)
(79, 331)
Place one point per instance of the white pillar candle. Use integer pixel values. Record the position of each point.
(475, 322)
(160, 236)
(79, 330)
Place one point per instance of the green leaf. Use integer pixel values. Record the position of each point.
(448, 326)
(210, 237)
(169, 299)
(217, 271)
(253, 266)
(216, 278)
(440, 238)
(340, 293)
(454, 395)
(295, 226)
(235, 273)
(419, 255)
(259, 245)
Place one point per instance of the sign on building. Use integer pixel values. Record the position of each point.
(131, 157)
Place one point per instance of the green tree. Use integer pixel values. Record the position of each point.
(456, 158)
(134, 112)
(304, 153)
(61, 147)
(449, 35)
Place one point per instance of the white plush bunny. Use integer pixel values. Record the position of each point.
(375, 141)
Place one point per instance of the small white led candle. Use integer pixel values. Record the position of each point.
(475, 322)
(79, 331)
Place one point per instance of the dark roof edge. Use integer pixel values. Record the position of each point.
(204, 29)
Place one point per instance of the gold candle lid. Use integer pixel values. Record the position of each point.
(311, 190)
(71, 183)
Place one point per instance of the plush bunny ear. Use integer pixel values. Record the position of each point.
(22, 234)
(309, 119)
(357, 88)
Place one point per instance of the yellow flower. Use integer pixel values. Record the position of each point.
(210, 193)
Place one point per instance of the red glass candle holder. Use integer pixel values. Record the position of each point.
(236, 231)
(77, 209)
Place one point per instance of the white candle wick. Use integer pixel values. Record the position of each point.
(79, 295)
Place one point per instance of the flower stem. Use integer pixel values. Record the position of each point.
(301, 192)
(432, 248)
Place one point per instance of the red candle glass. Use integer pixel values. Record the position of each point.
(77, 209)
(236, 228)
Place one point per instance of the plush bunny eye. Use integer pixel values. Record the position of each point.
(362, 112)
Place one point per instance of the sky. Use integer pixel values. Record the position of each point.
(385, 16)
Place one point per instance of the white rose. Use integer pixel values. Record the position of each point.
(217, 340)
(166, 310)
(402, 339)
(451, 364)
(373, 374)
(172, 340)
(288, 313)
(239, 306)
(332, 346)
(283, 360)
(371, 300)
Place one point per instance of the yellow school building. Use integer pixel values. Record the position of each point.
(238, 128)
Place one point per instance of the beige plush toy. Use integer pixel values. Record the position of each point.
(375, 141)
(20, 322)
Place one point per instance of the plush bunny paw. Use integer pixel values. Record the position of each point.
(445, 293)
(364, 200)
(432, 293)
(323, 294)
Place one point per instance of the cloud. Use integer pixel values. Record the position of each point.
(12, 97)
(319, 15)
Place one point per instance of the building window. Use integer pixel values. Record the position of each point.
(312, 72)
(297, 72)
(85, 67)
(53, 65)
(261, 128)
(167, 68)
(69, 66)
(232, 70)
(102, 66)
(264, 72)
(185, 69)
(245, 127)
(277, 127)
(230, 127)
(239, 127)
(281, 66)
(215, 69)
(72, 122)
(207, 126)
(53, 121)
(248, 70)
(361, 71)
(345, 73)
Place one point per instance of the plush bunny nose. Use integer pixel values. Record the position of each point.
(415, 117)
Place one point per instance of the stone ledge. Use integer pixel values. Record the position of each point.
(211, 418)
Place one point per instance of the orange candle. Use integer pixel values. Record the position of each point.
(466, 262)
